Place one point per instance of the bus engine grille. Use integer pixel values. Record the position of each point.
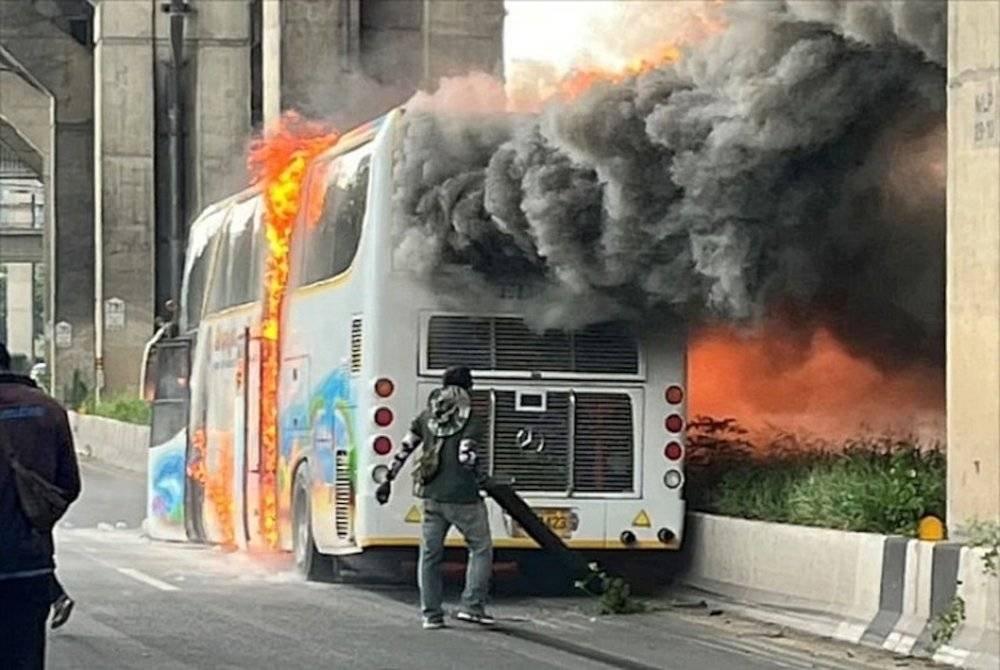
(343, 497)
(583, 442)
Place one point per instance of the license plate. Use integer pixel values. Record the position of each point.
(559, 520)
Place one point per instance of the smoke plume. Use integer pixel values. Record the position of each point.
(792, 162)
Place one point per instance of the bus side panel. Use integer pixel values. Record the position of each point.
(251, 440)
(294, 435)
(321, 420)
(168, 383)
(217, 454)
(318, 431)
(165, 489)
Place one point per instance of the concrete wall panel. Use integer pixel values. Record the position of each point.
(129, 19)
(973, 348)
(126, 99)
(392, 14)
(389, 50)
(222, 125)
(212, 20)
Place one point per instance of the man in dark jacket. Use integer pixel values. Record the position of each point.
(448, 476)
(37, 431)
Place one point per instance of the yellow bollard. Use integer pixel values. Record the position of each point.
(930, 528)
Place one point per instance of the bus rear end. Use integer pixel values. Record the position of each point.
(587, 425)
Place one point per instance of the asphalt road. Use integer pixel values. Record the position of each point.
(144, 604)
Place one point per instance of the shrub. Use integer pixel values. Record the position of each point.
(879, 484)
(123, 407)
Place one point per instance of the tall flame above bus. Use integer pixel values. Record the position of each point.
(278, 163)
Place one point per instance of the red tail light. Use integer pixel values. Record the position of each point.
(383, 417)
(382, 445)
(674, 394)
(674, 423)
(384, 387)
(673, 451)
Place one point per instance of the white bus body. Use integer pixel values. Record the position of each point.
(578, 420)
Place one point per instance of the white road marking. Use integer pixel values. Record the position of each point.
(146, 579)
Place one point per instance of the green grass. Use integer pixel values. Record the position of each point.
(880, 484)
(124, 407)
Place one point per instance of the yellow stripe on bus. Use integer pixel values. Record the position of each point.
(323, 285)
(518, 543)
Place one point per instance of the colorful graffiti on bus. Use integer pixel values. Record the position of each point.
(166, 484)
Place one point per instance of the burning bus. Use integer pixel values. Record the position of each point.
(303, 350)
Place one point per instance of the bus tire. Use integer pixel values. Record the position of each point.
(309, 562)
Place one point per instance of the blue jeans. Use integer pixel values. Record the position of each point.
(472, 521)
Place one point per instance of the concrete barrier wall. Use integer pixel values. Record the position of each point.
(976, 643)
(809, 570)
(865, 588)
(116, 443)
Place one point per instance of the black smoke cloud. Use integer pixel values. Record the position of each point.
(790, 163)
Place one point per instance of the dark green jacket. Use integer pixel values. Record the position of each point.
(454, 481)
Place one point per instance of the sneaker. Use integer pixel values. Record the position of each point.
(481, 618)
(433, 624)
(61, 609)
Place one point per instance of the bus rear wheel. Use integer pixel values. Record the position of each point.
(309, 562)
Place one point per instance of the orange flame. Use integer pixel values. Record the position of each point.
(810, 384)
(278, 162)
(578, 81)
(217, 482)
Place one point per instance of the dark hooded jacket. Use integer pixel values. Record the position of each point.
(37, 429)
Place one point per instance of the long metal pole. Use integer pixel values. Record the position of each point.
(175, 122)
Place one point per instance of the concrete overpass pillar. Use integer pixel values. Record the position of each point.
(20, 302)
(973, 263)
(216, 92)
(123, 187)
(220, 126)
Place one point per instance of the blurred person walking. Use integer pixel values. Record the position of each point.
(39, 479)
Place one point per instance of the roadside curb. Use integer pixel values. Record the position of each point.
(880, 591)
